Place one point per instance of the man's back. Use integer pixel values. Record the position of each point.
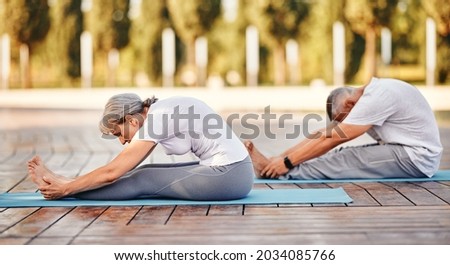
(400, 115)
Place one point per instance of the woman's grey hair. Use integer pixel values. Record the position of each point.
(333, 100)
(119, 106)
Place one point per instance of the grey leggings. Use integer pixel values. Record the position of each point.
(359, 162)
(190, 181)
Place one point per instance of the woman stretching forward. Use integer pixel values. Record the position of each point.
(180, 125)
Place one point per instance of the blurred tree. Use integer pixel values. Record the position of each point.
(278, 21)
(110, 25)
(73, 27)
(27, 22)
(408, 33)
(192, 19)
(355, 52)
(316, 41)
(227, 46)
(366, 17)
(439, 10)
(61, 55)
(146, 39)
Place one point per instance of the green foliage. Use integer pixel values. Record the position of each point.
(439, 10)
(366, 18)
(226, 42)
(27, 21)
(355, 52)
(408, 33)
(364, 14)
(192, 19)
(110, 24)
(443, 59)
(73, 21)
(277, 22)
(146, 38)
(316, 40)
(53, 37)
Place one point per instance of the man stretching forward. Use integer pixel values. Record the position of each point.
(391, 111)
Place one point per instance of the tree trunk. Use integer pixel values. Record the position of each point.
(113, 64)
(279, 65)
(25, 66)
(370, 55)
(190, 53)
(190, 71)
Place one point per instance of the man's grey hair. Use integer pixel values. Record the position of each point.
(119, 106)
(334, 98)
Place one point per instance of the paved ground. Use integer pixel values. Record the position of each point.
(382, 213)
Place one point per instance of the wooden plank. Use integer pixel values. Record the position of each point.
(359, 195)
(96, 160)
(78, 144)
(431, 185)
(385, 195)
(117, 216)
(232, 239)
(74, 222)
(190, 210)
(226, 210)
(76, 163)
(417, 194)
(277, 186)
(36, 223)
(13, 240)
(447, 183)
(42, 144)
(12, 216)
(325, 222)
(152, 215)
(23, 149)
(60, 240)
(443, 194)
(24, 185)
(60, 143)
(410, 238)
(9, 180)
(314, 186)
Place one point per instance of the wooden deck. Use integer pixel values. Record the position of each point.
(382, 213)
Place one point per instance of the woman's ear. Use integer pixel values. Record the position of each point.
(133, 120)
(128, 118)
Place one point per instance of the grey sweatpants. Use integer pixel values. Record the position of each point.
(360, 162)
(190, 181)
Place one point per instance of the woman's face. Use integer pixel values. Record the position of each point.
(127, 130)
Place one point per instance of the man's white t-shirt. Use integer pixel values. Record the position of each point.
(400, 115)
(184, 124)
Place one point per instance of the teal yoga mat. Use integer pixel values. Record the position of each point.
(326, 195)
(442, 175)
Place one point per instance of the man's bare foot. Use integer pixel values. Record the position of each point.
(37, 170)
(258, 159)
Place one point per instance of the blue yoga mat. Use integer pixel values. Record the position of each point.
(337, 195)
(442, 175)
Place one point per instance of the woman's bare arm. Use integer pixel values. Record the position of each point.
(131, 156)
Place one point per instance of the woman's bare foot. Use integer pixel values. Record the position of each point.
(37, 170)
(258, 159)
